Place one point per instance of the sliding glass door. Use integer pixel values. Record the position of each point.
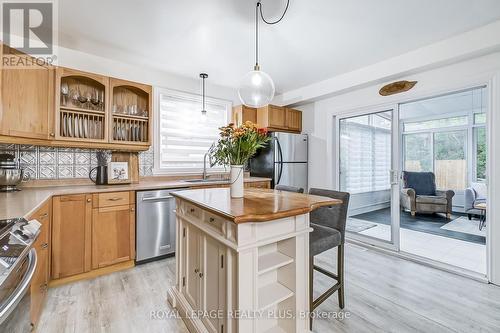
(446, 136)
(434, 208)
(366, 164)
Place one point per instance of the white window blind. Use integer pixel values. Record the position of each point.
(365, 155)
(183, 134)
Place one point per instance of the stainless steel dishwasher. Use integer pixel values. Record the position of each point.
(155, 235)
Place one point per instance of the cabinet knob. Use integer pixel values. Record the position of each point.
(52, 134)
(45, 245)
(212, 220)
(196, 271)
(132, 209)
(192, 210)
(43, 216)
(89, 200)
(201, 275)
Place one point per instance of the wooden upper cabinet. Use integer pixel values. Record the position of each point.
(280, 119)
(113, 235)
(26, 94)
(293, 120)
(242, 113)
(272, 117)
(71, 235)
(131, 113)
(81, 106)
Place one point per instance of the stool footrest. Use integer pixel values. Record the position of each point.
(325, 295)
(326, 272)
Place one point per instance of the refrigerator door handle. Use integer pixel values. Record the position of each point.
(280, 154)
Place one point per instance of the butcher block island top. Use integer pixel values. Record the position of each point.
(257, 205)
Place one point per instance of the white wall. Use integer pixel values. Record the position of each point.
(360, 203)
(143, 74)
(319, 124)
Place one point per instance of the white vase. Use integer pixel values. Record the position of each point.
(236, 181)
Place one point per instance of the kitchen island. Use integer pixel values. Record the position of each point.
(242, 264)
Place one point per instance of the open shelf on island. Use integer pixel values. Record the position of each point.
(272, 261)
(273, 294)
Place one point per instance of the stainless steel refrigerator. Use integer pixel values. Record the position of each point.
(284, 160)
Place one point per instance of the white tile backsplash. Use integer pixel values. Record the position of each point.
(64, 163)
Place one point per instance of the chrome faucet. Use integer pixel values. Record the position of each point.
(205, 176)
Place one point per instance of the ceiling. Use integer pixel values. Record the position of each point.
(315, 41)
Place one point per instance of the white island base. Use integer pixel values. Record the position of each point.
(247, 277)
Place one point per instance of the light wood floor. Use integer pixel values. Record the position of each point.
(383, 294)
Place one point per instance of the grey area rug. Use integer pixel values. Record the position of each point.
(356, 226)
(462, 224)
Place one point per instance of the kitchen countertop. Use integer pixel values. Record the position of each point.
(25, 202)
(257, 205)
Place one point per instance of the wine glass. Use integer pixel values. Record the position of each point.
(101, 100)
(81, 98)
(64, 93)
(74, 95)
(88, 96)
(94, 98)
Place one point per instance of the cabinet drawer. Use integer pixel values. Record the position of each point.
(112, 199)
(192, 210)
(257, 185)
(215, 222)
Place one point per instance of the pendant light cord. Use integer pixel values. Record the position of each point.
(257, 36)
(258, 9)
(259, 5)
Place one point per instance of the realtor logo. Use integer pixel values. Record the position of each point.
(28, 26)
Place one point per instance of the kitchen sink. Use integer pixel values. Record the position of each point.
(206, 180)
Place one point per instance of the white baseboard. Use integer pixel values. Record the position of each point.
(179, 302)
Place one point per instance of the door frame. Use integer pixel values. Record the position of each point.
(394, 243)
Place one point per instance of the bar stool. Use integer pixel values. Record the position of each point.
(289, 188)
(329, 232)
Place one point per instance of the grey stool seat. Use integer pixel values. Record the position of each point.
(322, 239)
(289, 188)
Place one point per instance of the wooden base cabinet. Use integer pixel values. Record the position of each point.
(71, 235)
(39, 283)
(113, 235)
(91, 232)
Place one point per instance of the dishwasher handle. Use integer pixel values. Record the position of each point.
(157, 198)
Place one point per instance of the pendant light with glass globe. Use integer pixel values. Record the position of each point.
(256, 88)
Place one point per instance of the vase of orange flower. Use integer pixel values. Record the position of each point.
(237, 144)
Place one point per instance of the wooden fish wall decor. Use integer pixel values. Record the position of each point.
(396, 87)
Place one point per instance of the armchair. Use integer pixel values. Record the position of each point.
(419, 194)
(474, 195)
